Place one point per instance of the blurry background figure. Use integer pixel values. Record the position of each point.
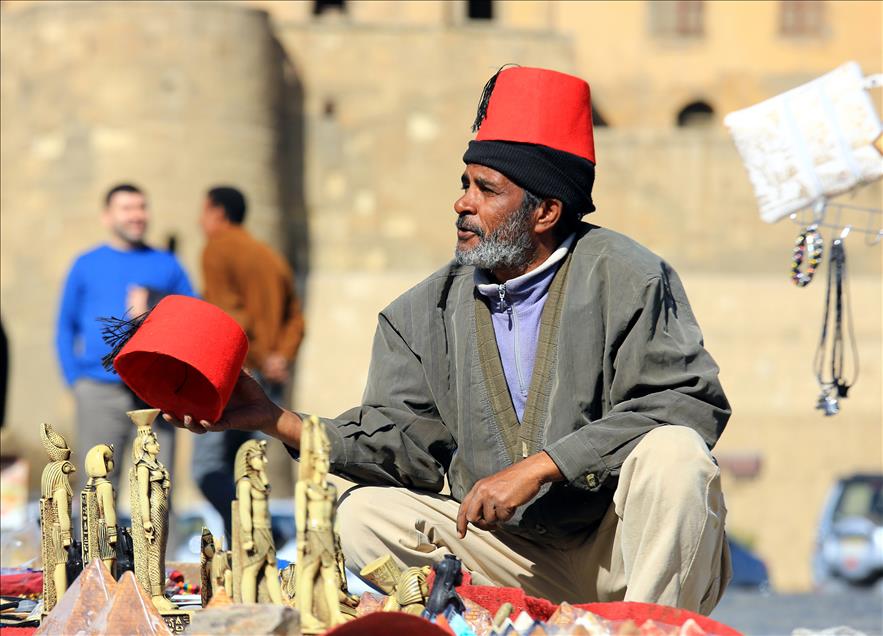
(122, 276)
(254, 284)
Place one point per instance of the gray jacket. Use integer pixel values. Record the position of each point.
(619, 353)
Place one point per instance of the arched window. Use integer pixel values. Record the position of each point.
(695, 114)
(323, 6)
(480, 9)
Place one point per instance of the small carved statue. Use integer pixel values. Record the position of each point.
(255, 575)
(98, 519)
(125, 553)
(149, 485)
(55, 515)
(288, 574)
(448, 575)
(411, 592)
(215, 570)
(206, 554)
(319, 567)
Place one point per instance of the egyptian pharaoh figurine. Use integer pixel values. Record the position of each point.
(55, 515)
(149, 489)
(255, 576)
(318, 582)
(98, 519)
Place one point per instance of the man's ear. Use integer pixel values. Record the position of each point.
(548, 215)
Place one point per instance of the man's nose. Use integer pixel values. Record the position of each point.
(464, 204)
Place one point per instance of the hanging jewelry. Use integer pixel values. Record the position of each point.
(831, 350)
(809, 245)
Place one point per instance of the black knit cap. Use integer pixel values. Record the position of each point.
(544, 171)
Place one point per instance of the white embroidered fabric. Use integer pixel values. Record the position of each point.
(811, 143)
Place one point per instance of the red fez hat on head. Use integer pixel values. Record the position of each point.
(535, 126)
(183, 357)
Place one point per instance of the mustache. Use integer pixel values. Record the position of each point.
(464, 225)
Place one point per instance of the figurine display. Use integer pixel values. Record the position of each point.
(318, 586)
(255, 575)
(406, 591)
(55, 515)
(214, 570)
(98, 519)
(149, 488)
(448, 575)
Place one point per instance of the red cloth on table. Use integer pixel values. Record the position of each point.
(21, 584)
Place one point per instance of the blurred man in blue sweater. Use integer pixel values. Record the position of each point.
(121, 276)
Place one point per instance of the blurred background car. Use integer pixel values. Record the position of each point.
(749, 571)
(849, 548)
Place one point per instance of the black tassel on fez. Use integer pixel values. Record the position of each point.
(116, 333)
(486, 97)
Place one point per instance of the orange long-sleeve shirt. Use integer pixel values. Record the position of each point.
(255, 285)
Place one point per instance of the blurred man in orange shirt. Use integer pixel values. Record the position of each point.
(254, 284)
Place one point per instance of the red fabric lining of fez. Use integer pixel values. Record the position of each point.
(539, 106)
(185, 358)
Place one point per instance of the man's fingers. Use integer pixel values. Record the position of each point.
(488, 513)
(221, 425)
(171, 419)
(473, 511)
(461, 515)
(191, 425)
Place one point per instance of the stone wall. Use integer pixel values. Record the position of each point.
(159, 94)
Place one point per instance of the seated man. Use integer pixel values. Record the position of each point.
(553, 372)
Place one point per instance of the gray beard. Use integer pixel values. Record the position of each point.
(509, 246)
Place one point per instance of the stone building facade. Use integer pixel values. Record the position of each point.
(345, 123)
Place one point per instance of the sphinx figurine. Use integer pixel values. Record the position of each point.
(255, 575)
(55, 515)
(98, 519)
(149, 490)
(406, 590)
(318, 585)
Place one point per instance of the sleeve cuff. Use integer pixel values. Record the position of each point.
(579, 462)
(337, 455)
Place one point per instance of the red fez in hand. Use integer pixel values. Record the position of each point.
(183, 357)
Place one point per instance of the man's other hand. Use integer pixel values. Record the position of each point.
(494, 499)
(136, 300)
(275, 368)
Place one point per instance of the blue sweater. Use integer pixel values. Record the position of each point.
(96, 287)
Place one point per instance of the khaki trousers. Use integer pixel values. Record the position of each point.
(661, 541)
